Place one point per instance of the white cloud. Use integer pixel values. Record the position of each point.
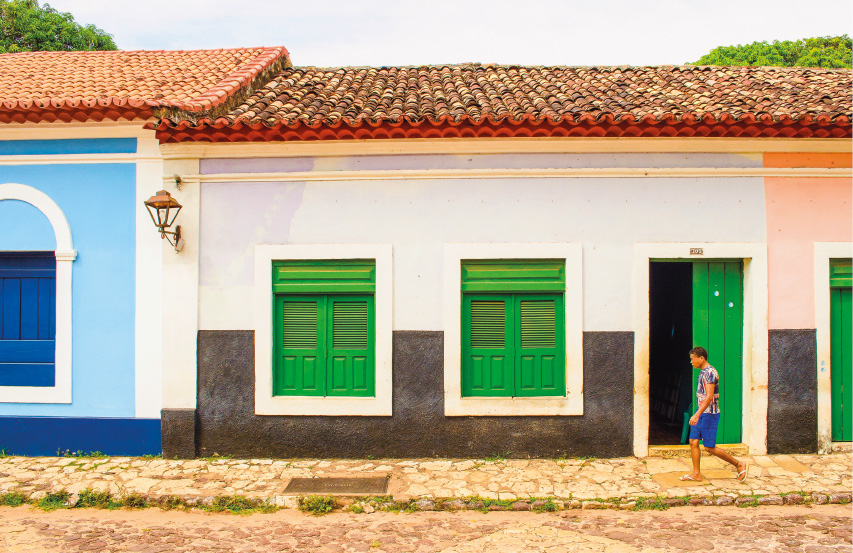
(398, 32)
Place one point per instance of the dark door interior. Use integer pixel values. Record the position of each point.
(670, 340)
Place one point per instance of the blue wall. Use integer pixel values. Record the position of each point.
(23, 227)
(99, 202)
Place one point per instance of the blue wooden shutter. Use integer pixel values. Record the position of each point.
(27, 319)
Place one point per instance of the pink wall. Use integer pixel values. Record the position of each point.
(801, 211)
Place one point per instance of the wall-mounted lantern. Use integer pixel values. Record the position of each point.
(166, 208)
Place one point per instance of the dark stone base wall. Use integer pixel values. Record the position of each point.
(178, 433)
(226, 422)
(792, 392)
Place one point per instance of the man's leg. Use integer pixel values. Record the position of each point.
(696, 455)
(724, 455)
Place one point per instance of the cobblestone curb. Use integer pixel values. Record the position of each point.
(369, 505)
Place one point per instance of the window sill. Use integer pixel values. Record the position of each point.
(572, 405)
(329, 406)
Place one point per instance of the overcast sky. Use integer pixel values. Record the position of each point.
(530, 32)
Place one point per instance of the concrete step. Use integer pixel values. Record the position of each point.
(671, 451)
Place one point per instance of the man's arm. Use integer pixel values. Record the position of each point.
(709, 396)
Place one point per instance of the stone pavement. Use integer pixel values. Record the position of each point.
(789, 529)
(571, 480)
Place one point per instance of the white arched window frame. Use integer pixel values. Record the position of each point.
(65, 254)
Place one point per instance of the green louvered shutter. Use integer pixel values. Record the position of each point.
(513, 327)
(841, 348)
(351, 356)
(300, 334)
(541, 358)
(487, 353)
(324, 327)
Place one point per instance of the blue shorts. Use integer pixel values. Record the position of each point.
(706, 429)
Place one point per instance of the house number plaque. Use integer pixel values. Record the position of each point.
(696, 251)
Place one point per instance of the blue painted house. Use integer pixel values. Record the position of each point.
(80, 264)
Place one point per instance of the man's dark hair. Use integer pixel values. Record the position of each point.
(700, 352)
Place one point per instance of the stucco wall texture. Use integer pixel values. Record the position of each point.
(606, 215)
(800, 212)
(103, 302)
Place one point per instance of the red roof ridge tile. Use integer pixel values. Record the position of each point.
(340, 102)
(43, 83)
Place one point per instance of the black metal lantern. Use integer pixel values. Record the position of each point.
(164, 209)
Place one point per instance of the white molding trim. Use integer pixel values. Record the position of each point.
(456, 405)
(62, 131)
(148, 315)
(463, 146)
(823, 252)
(179, 283)
(265, 402)
(60, 392)
(579, 172)
(74, 159)
(755, 333)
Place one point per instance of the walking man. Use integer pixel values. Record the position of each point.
(703, 424)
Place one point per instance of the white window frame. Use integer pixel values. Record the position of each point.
(823, 253)
(572, 403)
(268, 404)
(65, 255)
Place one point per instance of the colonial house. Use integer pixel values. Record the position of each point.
(456, 260)
(477, 259)
(80, 261)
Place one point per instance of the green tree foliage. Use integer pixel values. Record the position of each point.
(827, 51)
(26, 27)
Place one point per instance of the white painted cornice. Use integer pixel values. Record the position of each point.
(462, 146)
(585, 172)
(75, 159)
(62, 131)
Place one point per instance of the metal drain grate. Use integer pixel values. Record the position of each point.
(347, 486)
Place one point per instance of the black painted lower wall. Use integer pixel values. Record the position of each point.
(226, 424)
(178, 433)
(792, 392)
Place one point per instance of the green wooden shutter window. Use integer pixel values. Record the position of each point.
(513, 345)
(299, 357)
(840, 273)
(488, 322)
(841, 348)
(537, 324)
(324, 276)
(349, 324)
(514, 275)
(299, 321)
(488, 354)
(323, 332)
(350, 356)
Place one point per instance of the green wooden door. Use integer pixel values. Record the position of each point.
(718, 327)
(841, 350)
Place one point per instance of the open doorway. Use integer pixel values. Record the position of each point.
(670, 340)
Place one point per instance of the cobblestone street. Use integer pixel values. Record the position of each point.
(794, 529)
(504, 479)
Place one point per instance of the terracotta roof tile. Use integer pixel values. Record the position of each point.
(494, 95)
(128, 81)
